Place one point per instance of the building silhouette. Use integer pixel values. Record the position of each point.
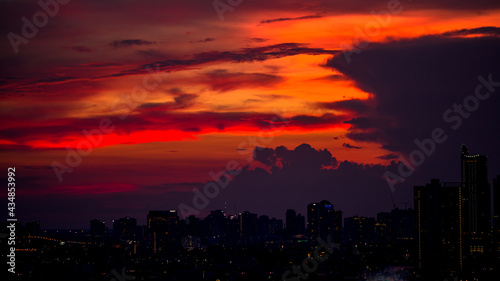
(163, 231)
(476, 193)
(248, 228)
(323, 222)
(97, 228)
(453, 223)
(439, 233)
(359, 231)
(124, 229)
(295, 223)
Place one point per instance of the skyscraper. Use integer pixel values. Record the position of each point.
(295, 223)
(453, 221)
(124, 228)
(248, 228)
(438, 219)
(163, 230)
(476, 193)
(323, 222)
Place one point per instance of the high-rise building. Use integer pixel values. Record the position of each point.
(453, 221)
(215, 224)
(438, 217)
(323, 222)
(97, 228)
(124, 229)
(476, 193)
(477, 211)
(248, 228)
(496, 204)
(295, 223)
(359, 230)
(496, 219)
(163, 230)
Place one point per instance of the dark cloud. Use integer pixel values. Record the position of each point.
(244, 55)
(352, 105)
(259, 40)
(333, 77)
(414, 82)
(130, 42)
(151, 53)
(223, 80)
(390, 156)
(204, 40)
(80, 49)
(485, 30)
(351, 146)
(163, 117)
(310, 120)
(181, 101)
(318, 15)
(297, 177)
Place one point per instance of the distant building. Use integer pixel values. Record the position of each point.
(476, 193)
(215, 226)
(496, 219)
(295, 223)
(248, 228)
(395, 227)
(191, 242)
(125, 229)
(453, 222)
(323, 221)
(439, 233)
(359, 231)
(97, 228)
(163, 230)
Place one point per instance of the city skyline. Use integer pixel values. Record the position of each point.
(113, 109)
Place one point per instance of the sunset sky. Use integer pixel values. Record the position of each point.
(172, 91)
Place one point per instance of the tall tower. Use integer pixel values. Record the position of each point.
(322, 221)
(438, 226)
(475, 192)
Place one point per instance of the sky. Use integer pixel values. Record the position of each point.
(114, 108)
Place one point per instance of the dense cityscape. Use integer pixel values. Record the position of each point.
(449, 234)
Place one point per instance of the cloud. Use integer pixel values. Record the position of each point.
(413, 83)
(485, 30)
(181, 101)
(318, 15)
(204, 40)
(243, 55)
(222, 80)
(352, 105)
(351, 146)
(296, 177)
(130, 42)
(157, 122)
(80, 49)
(151, 53)
(390, 156)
